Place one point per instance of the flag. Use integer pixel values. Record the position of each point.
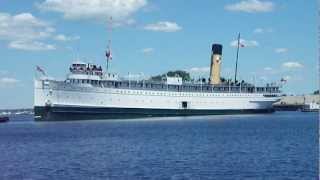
(39, 69)
(283, 80)
(108, 54)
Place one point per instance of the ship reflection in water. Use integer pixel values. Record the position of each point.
(282, 145)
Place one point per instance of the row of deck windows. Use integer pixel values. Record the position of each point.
(180, 94)
(150, 93)
(168, 101)
(178, 88)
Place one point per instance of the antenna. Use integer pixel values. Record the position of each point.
(236, 71)
(108, 51)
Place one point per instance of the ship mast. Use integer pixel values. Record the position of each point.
(236, 71)
(108, 51)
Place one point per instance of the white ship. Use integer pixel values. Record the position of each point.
(90, 93)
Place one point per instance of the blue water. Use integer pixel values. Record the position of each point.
(283, 145)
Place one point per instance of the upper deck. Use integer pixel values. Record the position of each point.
(162, 86)
(84, 75)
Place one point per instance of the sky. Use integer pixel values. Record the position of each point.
(151, 37)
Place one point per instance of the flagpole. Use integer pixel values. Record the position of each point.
(108, 54)
(107, 64)
(236, 71)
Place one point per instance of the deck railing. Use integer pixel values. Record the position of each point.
(146, 85)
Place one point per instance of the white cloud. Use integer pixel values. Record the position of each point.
(24, 27)
(163, 26)
(199, 69)
(292, 65)
(251, 6)
(262, 30)
(258, 30)
(31, 45)
(4, 81)
(151, 7)
(24, 31)
(61, 37)
(281, 50)
(120, 10)
(246, 43)
(147, 50)
(267, 69)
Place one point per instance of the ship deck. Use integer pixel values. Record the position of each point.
(185, 87)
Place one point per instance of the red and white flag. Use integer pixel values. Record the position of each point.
(108, 54)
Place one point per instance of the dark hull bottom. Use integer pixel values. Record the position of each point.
(4, 119)
(84, 113)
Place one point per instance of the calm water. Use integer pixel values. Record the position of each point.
(275, 146)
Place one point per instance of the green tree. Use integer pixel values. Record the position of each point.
(180, 73)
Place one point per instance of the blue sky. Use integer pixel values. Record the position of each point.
(152, 37)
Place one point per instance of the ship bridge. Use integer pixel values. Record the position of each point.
(88, 71)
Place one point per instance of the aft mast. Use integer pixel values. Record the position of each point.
(108, 51)
(236, 70)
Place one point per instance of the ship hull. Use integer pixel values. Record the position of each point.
(56, 100)
(87, 113)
